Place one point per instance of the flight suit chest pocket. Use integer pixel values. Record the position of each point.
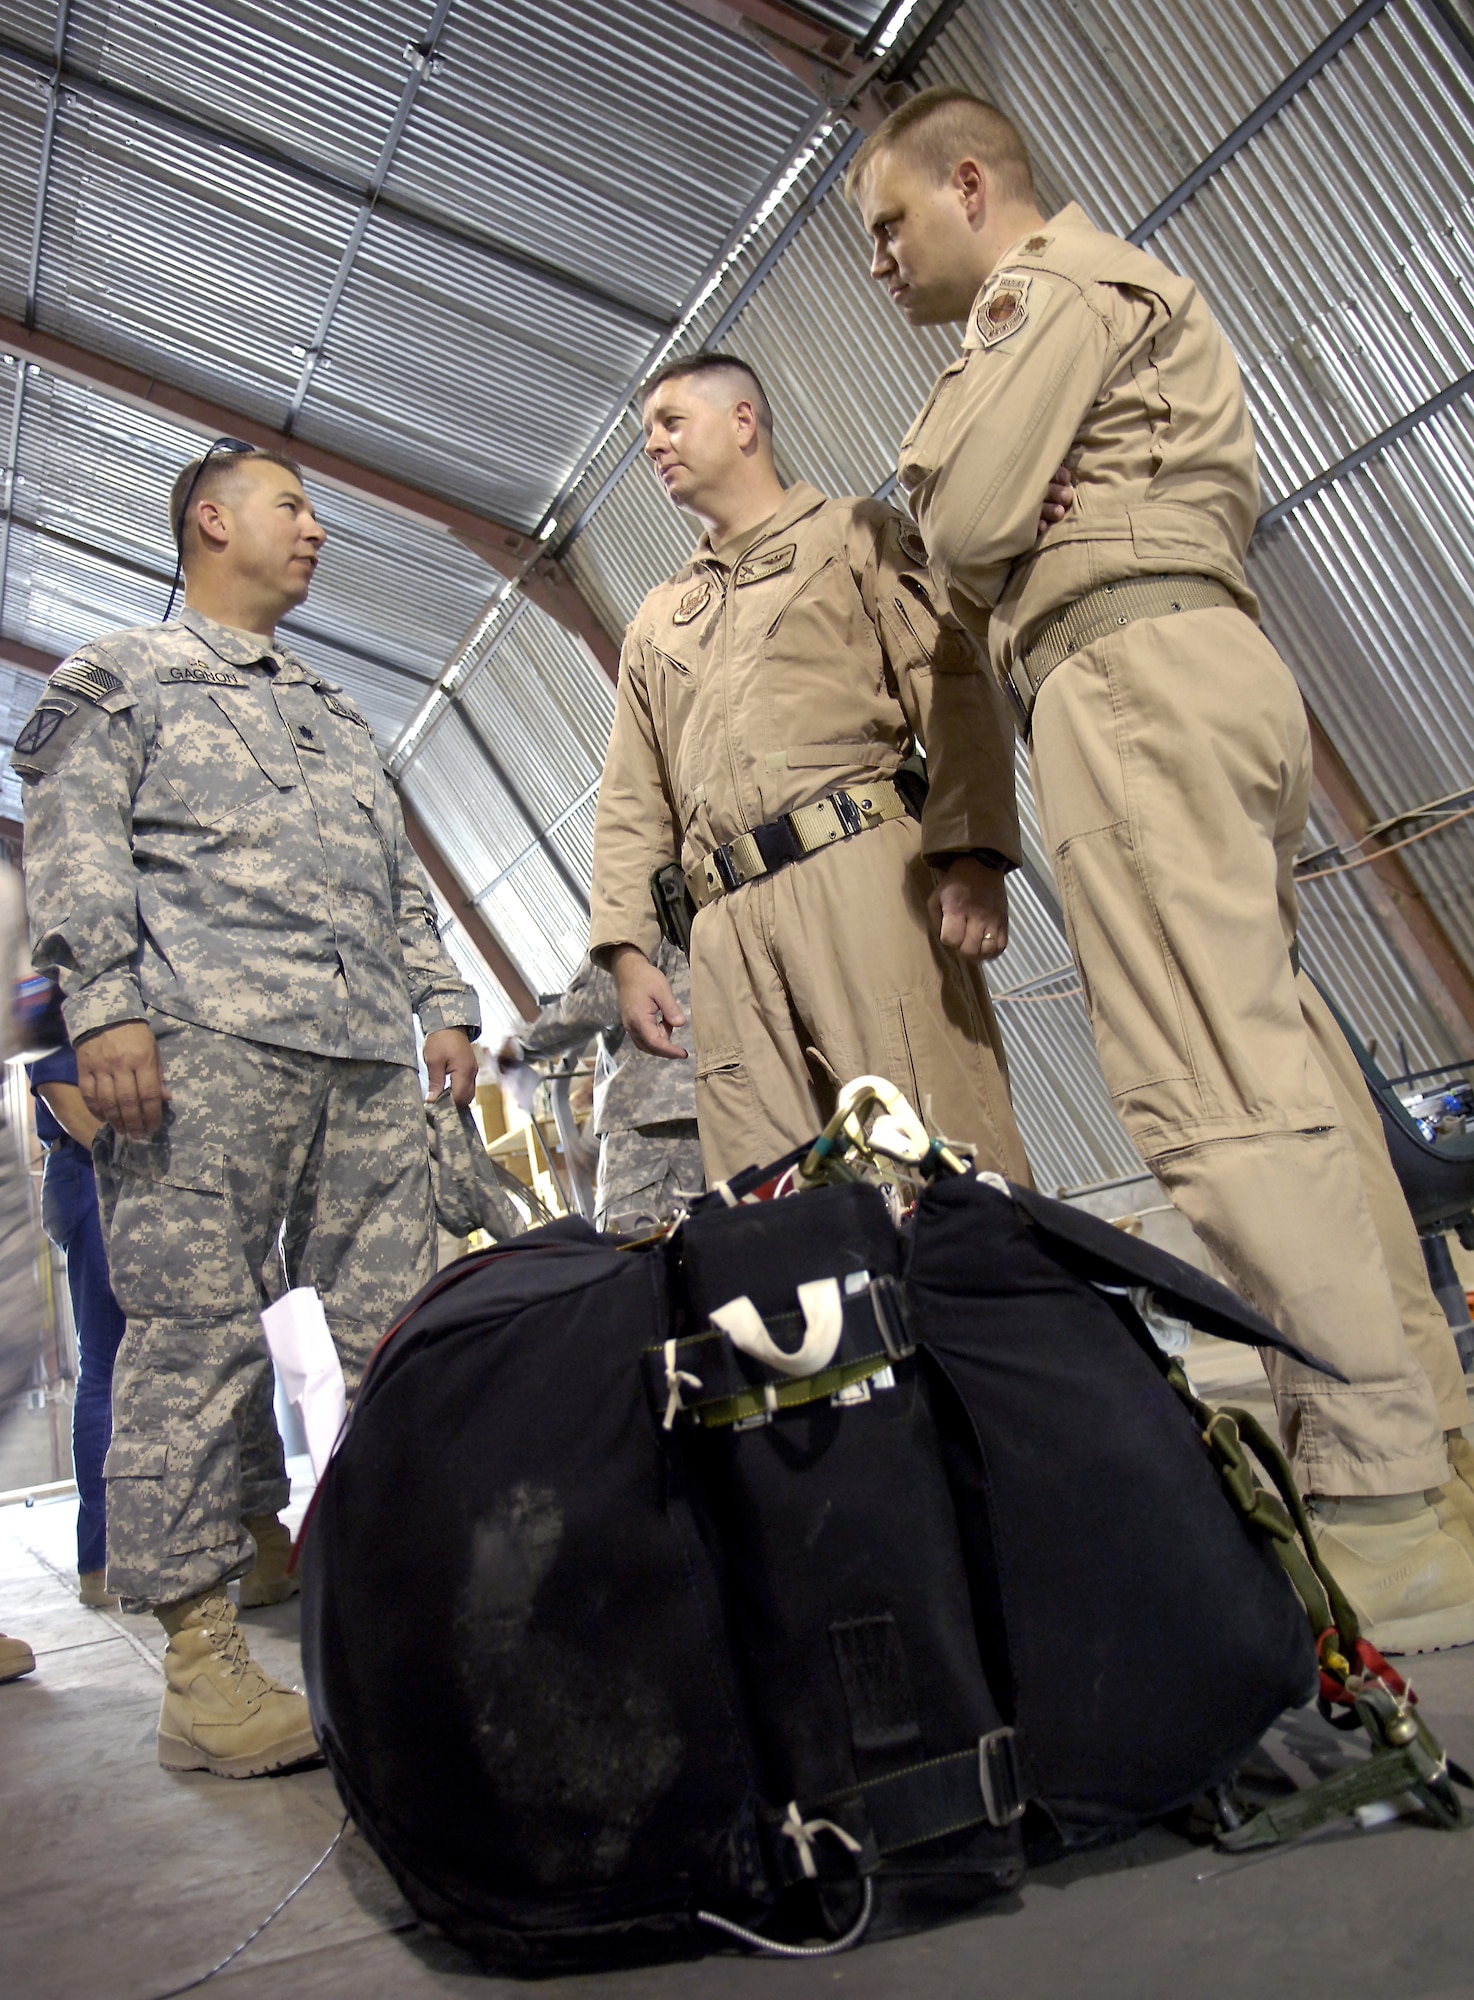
(227, 753)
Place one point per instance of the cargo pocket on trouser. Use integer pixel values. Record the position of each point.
(1131, 990)
(174, 1249)
(173, 1515)
(727, 1115)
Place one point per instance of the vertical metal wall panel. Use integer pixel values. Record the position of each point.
(469, 816)
(845, 373)
(539, 922)
(626, 161)
(1120, 99)
(545, 708)
(634, 540)
(58, 598)
(32, 23)
(1365, 308)
(1368, 591)
(185, 257)
(499, 1018)
(22, 121)
(317, 79)
(457, 371)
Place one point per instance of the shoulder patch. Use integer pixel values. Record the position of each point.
(693, 603)
(337, 706)
(50, 730)
(913, 545)
(84, 677)
(772, 562)
(1003, 307)
(205, 672)
(43, 725)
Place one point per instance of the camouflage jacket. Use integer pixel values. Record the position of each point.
(630, 1088)
(210, 833)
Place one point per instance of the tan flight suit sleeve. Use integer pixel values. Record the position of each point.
(949, 696)
(1025, 393)
(635, 827)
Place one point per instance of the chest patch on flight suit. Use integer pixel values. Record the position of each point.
(913, 547)
(1003, 308)
(772, 562)
(693, 603)
(84, 677)
(202, 671)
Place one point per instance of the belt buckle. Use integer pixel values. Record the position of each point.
(847, 813)
(1021, 710)
(726, 873)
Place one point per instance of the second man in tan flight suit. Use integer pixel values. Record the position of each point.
(1171, 762)
(767, 695)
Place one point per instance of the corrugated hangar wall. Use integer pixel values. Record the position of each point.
(1336, 243)
(378, 246)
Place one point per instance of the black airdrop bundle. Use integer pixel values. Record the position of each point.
(800, 1577)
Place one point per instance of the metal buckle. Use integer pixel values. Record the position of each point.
(730, 879)
(847, 813)
(1000, 1777)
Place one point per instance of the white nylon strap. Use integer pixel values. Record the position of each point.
(823, 1310)
(801, 1832)
(674, 1379)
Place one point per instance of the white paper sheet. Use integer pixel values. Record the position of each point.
(311, 1374)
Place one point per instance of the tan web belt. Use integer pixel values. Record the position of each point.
(839, 816)
(1099, 613)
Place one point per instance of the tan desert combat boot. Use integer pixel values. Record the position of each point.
(1411, 1582)
(267, 1581)
(220, 1712)
(1454, 1503)
(16, 1658)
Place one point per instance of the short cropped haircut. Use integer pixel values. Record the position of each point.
(680, 366)
(216, 479)
(937, 128)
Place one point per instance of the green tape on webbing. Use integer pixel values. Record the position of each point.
(788, 1395)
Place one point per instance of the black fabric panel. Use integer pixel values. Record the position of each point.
(1106, 1255)
(512, 1638)
(1152, 1635)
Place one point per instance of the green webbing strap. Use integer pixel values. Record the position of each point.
(1405, 1759)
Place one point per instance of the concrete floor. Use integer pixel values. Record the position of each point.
(120, 1882)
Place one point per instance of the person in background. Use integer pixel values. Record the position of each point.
(644, 1109)
(20, 1321)
(66, 1128)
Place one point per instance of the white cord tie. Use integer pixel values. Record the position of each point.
(801, 1831)
(674, 1379)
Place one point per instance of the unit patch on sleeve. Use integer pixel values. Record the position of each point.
(205, 672)
(337, 707)
(84, 677)
(772, 562)
(1003, 308)
(693, 603)
(43, 725)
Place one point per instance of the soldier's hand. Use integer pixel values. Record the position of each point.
(969, 907)
(1059, 497)
(121, 1081)
(450, 1059)
(647, 1006)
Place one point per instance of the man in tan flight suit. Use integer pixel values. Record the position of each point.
(1171, 761)
(767, 695)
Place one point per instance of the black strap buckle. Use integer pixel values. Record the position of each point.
(888, 1301)
(1000, 1777)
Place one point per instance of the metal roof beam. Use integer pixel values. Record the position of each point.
(499, 961)
(88, 83)
(27, 659)
(1410, 924)
(43, 170)
(1373, 448)
(501, 547)
(823, 59)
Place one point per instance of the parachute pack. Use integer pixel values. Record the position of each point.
(801, 1575)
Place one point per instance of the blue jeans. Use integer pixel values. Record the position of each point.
(69, 1212)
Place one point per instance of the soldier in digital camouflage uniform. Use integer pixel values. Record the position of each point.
(218, 869)
(644, 1109)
